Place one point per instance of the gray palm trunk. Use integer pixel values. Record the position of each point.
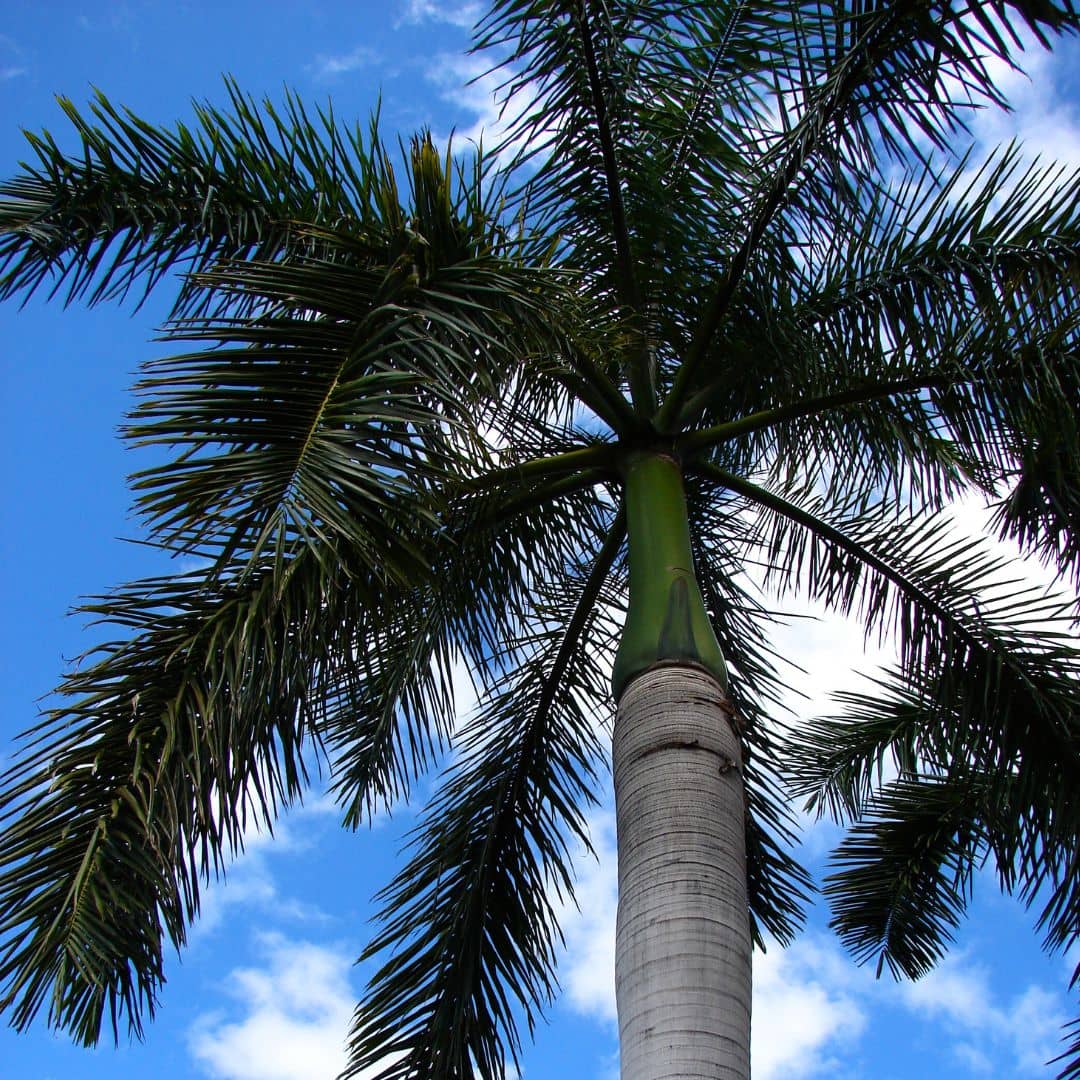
(683, 943)
(683, 948)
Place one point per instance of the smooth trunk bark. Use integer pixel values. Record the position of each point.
(683, 948)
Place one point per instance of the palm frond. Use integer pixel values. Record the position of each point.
(479, 595)
(978, 721)
(1070, 1070)
(171, 740)
(945, 597)
(981, 713)
(863, 78)
(469, 924)
(334, 405)
(778, 888)
(903, 874)
(135, 200)
(942, 284)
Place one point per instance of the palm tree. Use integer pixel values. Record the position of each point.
(726, 300)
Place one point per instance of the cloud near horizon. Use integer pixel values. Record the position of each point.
(294, 1014)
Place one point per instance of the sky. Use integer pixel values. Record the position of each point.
(267, 985)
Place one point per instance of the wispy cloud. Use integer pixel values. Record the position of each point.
(330, 67)
(464, 82)
(1014, 1037)
(469, 84)
(1046, 122)
(587, 970)
(12, 59)
(465, 15)
(250, 883)
(805, 1017)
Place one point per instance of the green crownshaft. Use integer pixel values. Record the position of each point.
(667, 622)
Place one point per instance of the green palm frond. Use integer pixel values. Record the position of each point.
(1021, 801)
(930, 344)
(135, 201)
(779, 889)
(173, 738)
(951, 606)
(480, 595)
(310, 442)
(469, 929)
(903, 875)
(981, 714)
(867, 79)
(323, 418)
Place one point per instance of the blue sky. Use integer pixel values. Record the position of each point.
(267, 985)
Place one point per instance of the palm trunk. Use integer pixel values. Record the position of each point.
(683, 947)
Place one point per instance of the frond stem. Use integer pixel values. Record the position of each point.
(566, 485)
(586, 604)
(601, 457)
(587, 383)
(764, 418)
(642, 387)
(835, 536)
(808, 135)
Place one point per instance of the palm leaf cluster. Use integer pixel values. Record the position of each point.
(732, 232)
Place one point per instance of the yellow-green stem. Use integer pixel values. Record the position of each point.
(667, 622)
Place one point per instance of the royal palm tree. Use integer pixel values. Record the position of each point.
(728, 313)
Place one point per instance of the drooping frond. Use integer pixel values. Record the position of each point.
(315, 439)
(999, 653)
(902, 876)
(930, 344)
(986, 687)
(170, 740)
(1023, 813)
(468, 927)
(479, 596)
(778, 888)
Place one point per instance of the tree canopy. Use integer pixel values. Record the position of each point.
(735, 233)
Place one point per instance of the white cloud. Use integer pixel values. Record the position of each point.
(249, 881)
(804, 1012)
(953, 992)
(1018, 1035)
(587, 970)
(466, 83)
(329, 67)
(295, 1013)
(1048, 124)
(12, 59)
(1033, 1026)
(465, 15)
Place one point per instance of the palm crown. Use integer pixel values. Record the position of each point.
(729, 236)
